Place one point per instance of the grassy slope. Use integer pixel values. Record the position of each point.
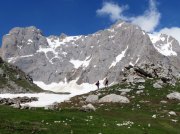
(104, 120)
(11, 72)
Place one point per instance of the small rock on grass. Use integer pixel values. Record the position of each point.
(92, 98)
(87, 108)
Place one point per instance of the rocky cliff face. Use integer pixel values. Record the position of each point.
(87, 58)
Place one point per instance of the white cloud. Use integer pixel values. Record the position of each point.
(174, 32)
(148, 21)
(114, 11)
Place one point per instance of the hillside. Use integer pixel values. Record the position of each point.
(148, 112)
(146, 100)
(13, 80)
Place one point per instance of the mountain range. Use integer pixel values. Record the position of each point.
(87, 58)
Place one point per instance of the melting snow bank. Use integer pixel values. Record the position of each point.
(45, 99)
(64, 87)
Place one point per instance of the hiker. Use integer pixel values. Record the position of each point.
(97, 84)
(106, 82)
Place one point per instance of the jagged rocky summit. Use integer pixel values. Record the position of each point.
(89, 58)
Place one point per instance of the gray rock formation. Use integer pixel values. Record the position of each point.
(157, 85)
(16, 105)
(174, 96)
(87, 108)
(139, 91)
(149, 71)
(92, 98)
(86, 58)
(113, 98)
(141, 87)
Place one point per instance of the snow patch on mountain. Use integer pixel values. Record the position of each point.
(46, 50)
(163, 48)
(13, 59)
(118, 58)
(120, 25)
(54, 43)
(78, 63)
(29, 41)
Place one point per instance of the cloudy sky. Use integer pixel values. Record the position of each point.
(75, 17)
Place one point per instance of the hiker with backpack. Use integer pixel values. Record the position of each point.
(97, 84)
(106, 82)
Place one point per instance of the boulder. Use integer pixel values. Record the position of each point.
(141, 87)
(123, 93)
(82, 102)
(92, 98)
(157, 85)
(114, 99)
(139, 91)
(160, 82)
(172, 113)
(140, 80)
(16, 105)
(125, 90)
(53, 106)
(135, 79)
(25, 106)
(18, 77)
(163, 102)
(143, 72)
(88, 108)
(174, 96)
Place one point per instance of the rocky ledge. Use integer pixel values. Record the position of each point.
(139, 74)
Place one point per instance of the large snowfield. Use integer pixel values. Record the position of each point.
(45, 99)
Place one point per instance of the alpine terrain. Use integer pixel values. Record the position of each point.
(58, 62)
(142, 94)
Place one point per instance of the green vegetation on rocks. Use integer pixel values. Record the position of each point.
(13, 80)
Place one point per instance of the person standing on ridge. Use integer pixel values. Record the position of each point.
(97, 84)
(106, 82)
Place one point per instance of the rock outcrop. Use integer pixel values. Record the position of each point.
(92, 98)
(139, 74)
(113, 98)
(88, 108)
